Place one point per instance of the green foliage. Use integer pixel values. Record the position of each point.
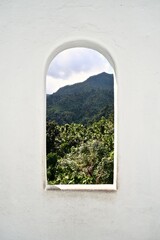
(79, 154)
(80, 132)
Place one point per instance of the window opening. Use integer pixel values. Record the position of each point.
(80, 121)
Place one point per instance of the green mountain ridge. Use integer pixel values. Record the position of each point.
(83, 102)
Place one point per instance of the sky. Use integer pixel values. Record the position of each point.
(75, 65)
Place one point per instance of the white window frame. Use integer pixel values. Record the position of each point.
(84, 187)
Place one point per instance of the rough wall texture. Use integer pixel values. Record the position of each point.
(29, 33)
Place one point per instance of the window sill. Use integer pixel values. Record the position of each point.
(82, 187)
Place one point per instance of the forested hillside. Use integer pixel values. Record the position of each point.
(84, 102)
(80, 132)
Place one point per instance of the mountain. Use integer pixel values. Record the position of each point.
(83, 102)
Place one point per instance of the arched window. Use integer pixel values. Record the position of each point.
(80, 131)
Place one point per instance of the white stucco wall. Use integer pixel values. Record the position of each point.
(30, 31)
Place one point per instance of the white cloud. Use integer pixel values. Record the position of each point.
(75, 65)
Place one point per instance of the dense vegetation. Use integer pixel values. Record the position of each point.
(79, 154)
(80, 143)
